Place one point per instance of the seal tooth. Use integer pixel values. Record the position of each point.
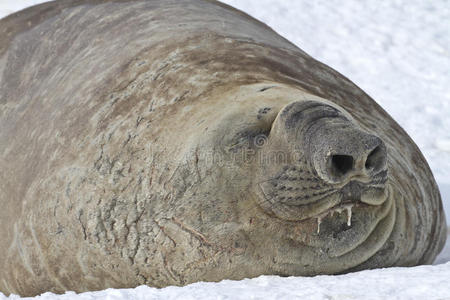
(331, 212)
(349, 215)
(319, 220)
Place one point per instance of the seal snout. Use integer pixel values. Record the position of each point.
(340, 151)
(351, 155)
(329, 163)
(348, 158)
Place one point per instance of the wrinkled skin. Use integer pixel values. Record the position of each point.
(168, 142)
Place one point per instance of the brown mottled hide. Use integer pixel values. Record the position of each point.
(122, 129)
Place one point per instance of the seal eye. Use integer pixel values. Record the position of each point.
(249, 139)
(254, 134)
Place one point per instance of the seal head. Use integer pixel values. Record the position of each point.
(318, 184)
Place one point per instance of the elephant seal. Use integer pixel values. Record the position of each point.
(165, 142)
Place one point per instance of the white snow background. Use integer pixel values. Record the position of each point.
(397, 51)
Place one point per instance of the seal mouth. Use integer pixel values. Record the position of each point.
(374, 195)
(287, 203)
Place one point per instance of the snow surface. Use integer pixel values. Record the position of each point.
(398, 51)
(423, 282)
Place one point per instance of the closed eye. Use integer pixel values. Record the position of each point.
(255, 133)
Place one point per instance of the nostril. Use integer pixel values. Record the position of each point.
(341, 164)
(376, 159)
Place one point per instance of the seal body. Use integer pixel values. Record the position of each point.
(168, 142)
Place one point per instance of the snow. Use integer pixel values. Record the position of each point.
(423, 282)
(397, 51)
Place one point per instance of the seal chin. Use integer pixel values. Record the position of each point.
(372, 226)
(337, 246)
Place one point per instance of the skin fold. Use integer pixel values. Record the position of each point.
(168, 142)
